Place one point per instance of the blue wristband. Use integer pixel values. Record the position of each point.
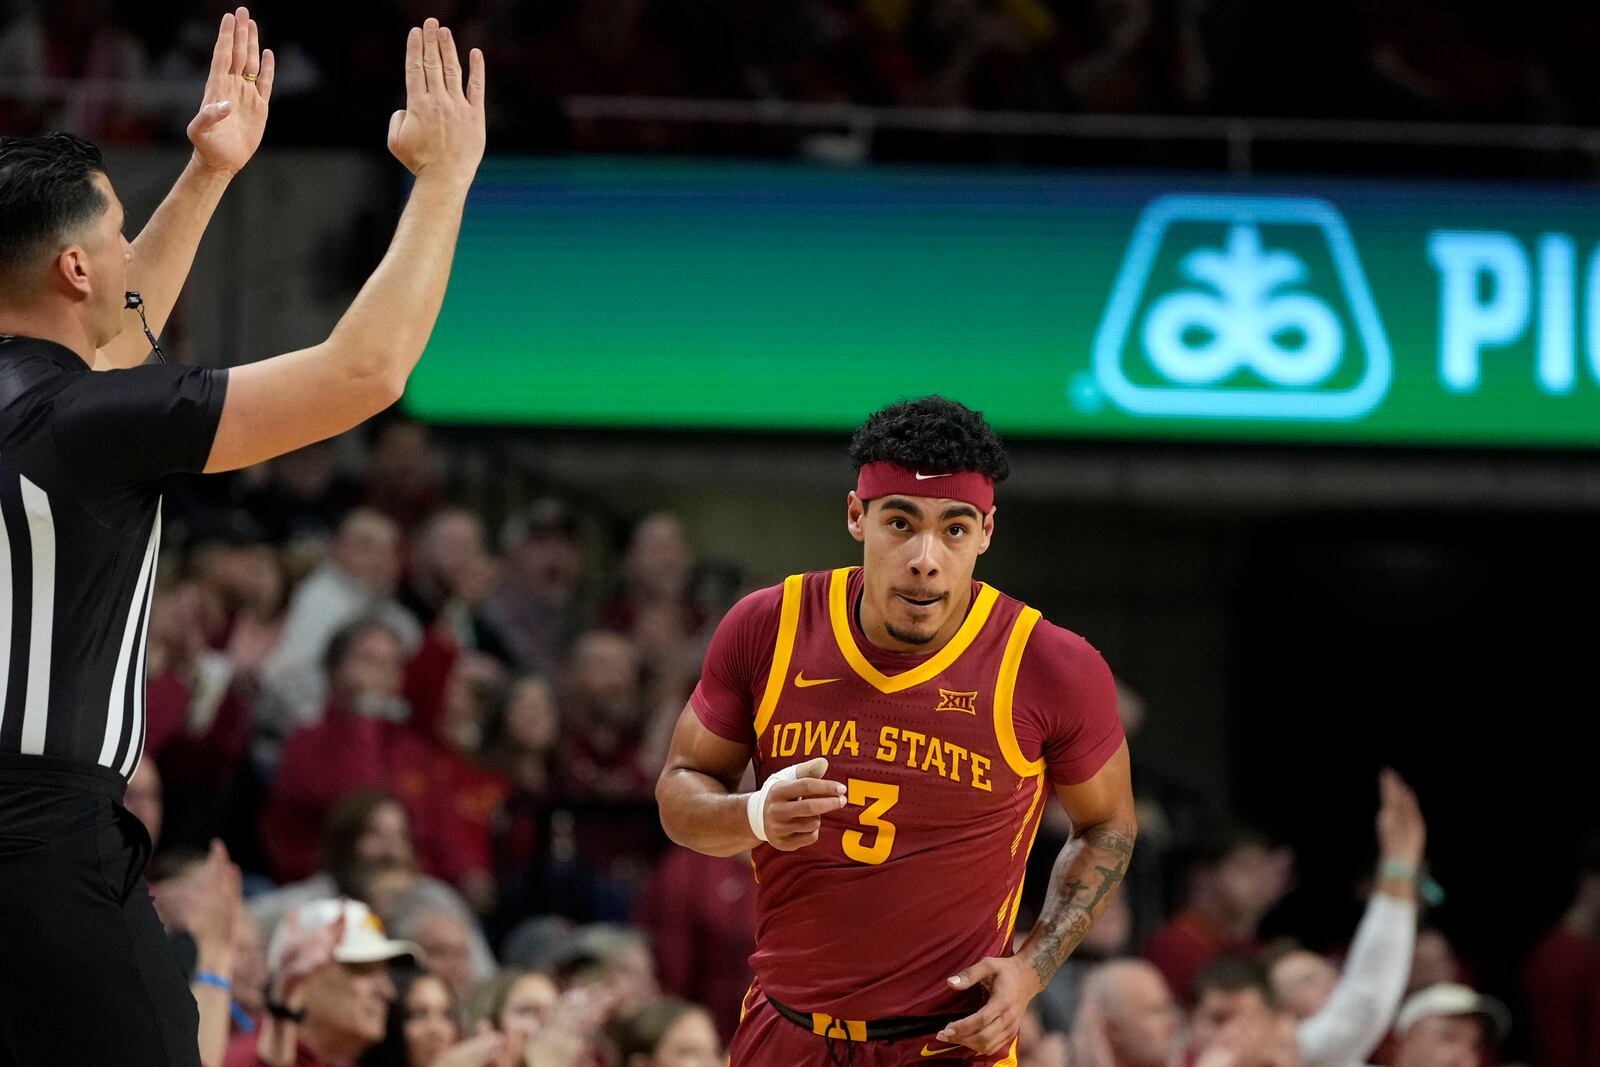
(241, 1018)
(211, 978)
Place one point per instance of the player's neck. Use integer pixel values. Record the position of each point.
(874, 628)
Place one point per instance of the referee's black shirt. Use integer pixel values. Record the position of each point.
(83, 457)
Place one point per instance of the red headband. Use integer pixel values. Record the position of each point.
(885, 479)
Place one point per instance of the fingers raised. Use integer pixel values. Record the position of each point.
(222, 54)
(450, 61)
(252, 51)
(416, 81)
(432, 65)
(475, 79)
(241, 43)
(269, 67)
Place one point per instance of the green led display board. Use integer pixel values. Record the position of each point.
(745, 296)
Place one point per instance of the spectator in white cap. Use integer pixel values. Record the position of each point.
(1448, 1025)
(330, 987)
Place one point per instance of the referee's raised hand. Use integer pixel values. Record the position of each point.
(441, 129)
(228, 128)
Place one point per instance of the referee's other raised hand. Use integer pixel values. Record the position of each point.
(441, 130)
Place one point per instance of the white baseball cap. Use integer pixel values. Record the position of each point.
(1448, 998)
(363, 941)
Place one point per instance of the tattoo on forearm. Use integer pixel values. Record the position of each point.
(1088, 872)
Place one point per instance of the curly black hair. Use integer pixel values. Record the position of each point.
(932, 434)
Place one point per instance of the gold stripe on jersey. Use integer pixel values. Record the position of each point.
(1013, 900)
(1011, 1057)
(1005, 728)
(839, 610)
(1016, 901)
(1033, 805)
(782, 651)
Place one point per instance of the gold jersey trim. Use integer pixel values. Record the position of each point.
(1005, 689)
(839, 611)
(782, 650)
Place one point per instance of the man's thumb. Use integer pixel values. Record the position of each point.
(210, 115)
(812, 768)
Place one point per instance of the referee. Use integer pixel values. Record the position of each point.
(85, 976)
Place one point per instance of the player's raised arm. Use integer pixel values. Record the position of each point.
(225, 132)
(1086, 876)
(702, 809)
(280, 404)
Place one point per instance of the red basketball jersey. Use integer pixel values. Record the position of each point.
(947, 762)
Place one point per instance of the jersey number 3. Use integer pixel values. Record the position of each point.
(878, 797)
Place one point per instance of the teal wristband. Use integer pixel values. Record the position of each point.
(1399, 869)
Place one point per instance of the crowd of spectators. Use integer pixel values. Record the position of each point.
(369, 695)
(1428, 59)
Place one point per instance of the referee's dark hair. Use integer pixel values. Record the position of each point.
(47, 190)
(933, 434)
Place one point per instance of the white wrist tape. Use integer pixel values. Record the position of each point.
(756, 807)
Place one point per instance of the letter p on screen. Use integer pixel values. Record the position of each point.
(1470, 318)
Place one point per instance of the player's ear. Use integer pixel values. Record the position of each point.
(855, 511)
(988, 531)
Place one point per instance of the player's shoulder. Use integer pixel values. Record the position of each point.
(758, 608)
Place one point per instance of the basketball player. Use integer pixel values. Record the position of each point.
(906, 725)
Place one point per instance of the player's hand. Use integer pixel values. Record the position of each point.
(1011, 984)
(233, 110)
(1402, 834)
(794, 810)
(441, 129)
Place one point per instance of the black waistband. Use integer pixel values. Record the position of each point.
(51, 772)
(894, 1028)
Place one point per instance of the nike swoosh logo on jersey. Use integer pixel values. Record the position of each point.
(802, 682)
(926, 1051)
(925, 477)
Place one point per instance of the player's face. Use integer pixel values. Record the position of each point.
(919, 553)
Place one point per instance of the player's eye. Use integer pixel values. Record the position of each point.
(957, 531)
(899, 524)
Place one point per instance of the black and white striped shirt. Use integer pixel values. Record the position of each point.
(83, 458)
